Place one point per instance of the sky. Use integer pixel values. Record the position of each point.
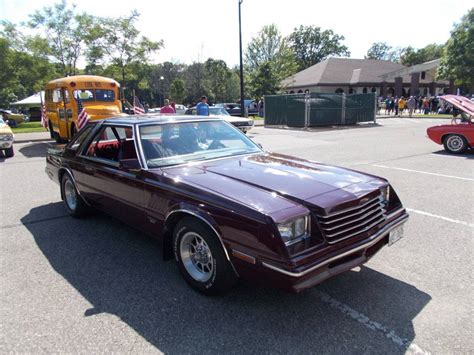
(196, 30)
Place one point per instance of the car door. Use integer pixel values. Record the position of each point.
(107, 184)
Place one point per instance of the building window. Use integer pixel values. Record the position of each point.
(364, 90)
(292, 92)
(300, 91)
(352, 91)
(339, 91)
(374, 90)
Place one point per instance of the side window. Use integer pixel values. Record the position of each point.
(75, 144)
(66, 96)
(57, 96)
(113, 143)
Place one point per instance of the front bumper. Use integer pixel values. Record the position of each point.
(346, 259)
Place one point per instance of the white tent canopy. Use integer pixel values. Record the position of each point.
(31, 101)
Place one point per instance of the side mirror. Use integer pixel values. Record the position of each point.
(130, 164)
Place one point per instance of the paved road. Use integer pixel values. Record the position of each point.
(96, 285)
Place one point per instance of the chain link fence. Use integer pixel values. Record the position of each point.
(314, 109)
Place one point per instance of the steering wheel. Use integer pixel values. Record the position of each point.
(216, 144)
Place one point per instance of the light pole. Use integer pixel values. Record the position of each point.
(161, 89)
(242, 106)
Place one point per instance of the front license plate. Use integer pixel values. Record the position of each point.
(395, 235)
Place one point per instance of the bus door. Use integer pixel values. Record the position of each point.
(65, 112)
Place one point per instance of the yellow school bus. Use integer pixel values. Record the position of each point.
(100, 97)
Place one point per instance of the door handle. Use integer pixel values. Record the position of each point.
(89, 168)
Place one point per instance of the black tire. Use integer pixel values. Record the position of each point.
(52, 134)
(74, 203)
(73, 131)
(455, 143)
(9, 152)
(222, 276)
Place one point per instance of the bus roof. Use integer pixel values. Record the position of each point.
(61, 82)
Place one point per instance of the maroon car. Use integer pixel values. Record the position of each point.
(224, 208)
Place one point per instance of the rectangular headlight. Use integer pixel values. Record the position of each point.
(385, 191)
(295, 230)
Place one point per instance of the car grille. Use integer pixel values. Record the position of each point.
(350, 222)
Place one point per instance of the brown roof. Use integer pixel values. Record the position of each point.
(343, 71)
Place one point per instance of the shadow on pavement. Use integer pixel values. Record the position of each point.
(469, 154)
(35, 150)
(121, 272)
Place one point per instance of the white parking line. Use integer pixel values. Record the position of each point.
(370, 324)
(423, 172)
(440, 217)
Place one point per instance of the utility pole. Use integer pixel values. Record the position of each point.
(242, 104)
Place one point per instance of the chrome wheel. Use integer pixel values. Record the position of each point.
(196, 257)
(70, 195)
(455, 143)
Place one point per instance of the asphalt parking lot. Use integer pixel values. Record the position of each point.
(95, 285)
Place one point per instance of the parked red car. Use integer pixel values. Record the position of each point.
(223, 207)
(456, 137)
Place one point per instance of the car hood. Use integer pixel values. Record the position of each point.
(231, 119)
(260, 178)
(5, 129)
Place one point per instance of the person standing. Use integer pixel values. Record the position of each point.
(202, 108)
(167, 109)
(411, 104)
(426, 106)
(260, 107)
(401, 105)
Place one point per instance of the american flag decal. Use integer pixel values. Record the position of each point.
(137, 106)
(44, 118)
(82, 116)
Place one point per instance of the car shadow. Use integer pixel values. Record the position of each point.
(121, 272)
(469, 154)
(35, 150)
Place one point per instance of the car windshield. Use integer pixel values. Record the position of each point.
(2, 121)
(218, 111)
(178, 143)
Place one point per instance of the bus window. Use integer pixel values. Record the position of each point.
(66, 96)
(104, 95)
(57, 97)
(84, 95)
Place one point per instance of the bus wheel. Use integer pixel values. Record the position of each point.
(51, 131)
(73, 131)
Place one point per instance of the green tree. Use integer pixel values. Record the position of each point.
(311, 45)
(64, 35)
(269, 54)
(382, 51)
(22, 74)
(195, 82)
(160, 77)
(177, 90)
(216, 76)
(412, 56)
(118, 42)
(458, 57)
